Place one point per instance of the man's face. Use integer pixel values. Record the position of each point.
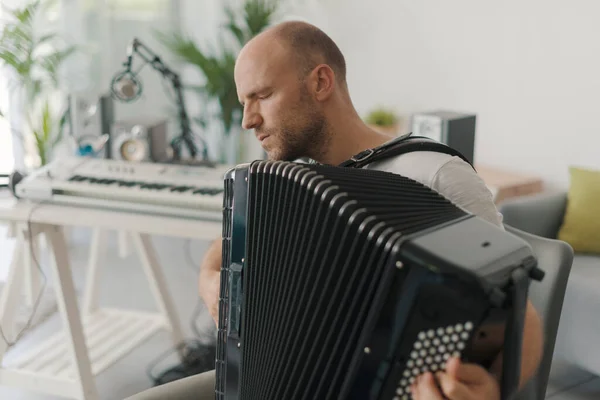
(286, 119)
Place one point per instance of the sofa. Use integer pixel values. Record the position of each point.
(579, 326)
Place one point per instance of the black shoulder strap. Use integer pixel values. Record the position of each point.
(404, 144)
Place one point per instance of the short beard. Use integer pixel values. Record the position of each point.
(309, 141)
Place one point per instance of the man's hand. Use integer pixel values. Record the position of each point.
(210, 286)
(460, 381)
(209, 283)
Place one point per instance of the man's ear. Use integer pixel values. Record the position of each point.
(323, 82)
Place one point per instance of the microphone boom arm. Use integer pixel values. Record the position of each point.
(154, 60)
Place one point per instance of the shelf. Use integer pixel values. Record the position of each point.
(109, 334)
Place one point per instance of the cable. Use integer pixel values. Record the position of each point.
(39, 297)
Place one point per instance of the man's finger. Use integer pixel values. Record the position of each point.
(465, 372)
(425, 388)
(452, 388)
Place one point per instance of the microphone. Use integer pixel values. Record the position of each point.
(126, 87)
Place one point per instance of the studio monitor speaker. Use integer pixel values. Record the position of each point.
(107, 119)
(139, 141)
(454, 129)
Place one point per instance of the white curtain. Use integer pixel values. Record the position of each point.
(11, 149)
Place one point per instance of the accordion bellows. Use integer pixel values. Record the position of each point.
(348, 283)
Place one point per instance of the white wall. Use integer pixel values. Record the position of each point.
(530, 70)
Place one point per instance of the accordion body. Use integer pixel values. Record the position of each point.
(341, 283)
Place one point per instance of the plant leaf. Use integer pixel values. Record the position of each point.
(217, 68)
(232, 26)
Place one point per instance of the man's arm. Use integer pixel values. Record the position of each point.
(210, 278)
(532, 348)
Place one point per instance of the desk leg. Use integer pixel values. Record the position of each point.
(97, 247)
(11, 294)
(158, 284)
(32, 265)
(67, 306)
(122, 243)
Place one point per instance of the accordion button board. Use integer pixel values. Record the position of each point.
(342, 283)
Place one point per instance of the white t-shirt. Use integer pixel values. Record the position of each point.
(450, 176)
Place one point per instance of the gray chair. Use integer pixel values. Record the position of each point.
(555, 258)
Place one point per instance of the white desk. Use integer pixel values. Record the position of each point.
(94, 338)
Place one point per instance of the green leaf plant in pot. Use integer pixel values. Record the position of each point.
(383, 120)
(47, 130)
(217, 67)
(34, 59)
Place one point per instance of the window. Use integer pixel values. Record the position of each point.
(7, 161)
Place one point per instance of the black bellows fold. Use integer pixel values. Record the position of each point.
(320, 301)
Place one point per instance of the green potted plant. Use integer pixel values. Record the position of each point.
(383, 120)
(34, 60)
(217, 67)
(46, 130)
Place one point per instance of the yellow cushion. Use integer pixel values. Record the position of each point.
(581, 224)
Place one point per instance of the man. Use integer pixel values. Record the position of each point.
(291, 80)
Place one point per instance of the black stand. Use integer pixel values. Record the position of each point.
(186, 136)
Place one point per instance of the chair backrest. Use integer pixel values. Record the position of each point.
(555, 258)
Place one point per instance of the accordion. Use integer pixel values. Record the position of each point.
(343, 283)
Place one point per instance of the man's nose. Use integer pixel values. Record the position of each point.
(251, 120)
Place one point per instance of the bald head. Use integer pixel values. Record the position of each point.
(305, 45)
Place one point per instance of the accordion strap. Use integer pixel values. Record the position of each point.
(404, 144)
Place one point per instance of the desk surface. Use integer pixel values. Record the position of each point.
(501, 178)
(12, 210)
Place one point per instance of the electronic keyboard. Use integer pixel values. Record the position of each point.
(169, 189)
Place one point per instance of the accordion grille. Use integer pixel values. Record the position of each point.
(317, 242)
